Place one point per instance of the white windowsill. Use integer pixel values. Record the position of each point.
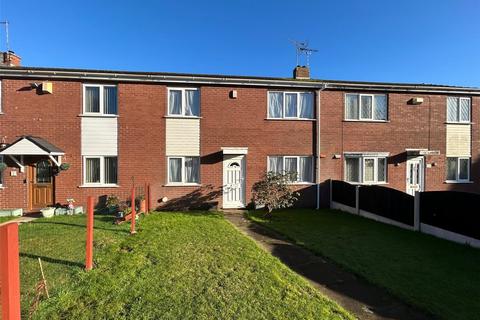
(172, 116)
(366, 120)
(93, 115)
(291, 119)
(368, 183)
(99, 186)
(454, 122)
(182, 185)
(458, 182)
(301, 183)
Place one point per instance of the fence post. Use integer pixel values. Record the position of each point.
(416, 211)
(149, 204)
(133, 213)
(331, 194)
(89, 246)
(9, 271)
(357, 199)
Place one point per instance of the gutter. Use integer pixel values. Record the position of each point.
(317, 137)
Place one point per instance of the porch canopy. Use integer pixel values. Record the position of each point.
(32, 146)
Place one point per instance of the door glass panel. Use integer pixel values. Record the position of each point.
(44, 171)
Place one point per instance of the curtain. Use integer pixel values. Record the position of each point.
(275, 104)
(92, 99)
(275, 164)
(111, 170)
(366, 107)
(380, 110)
(381, 167)
(452, 168)
(290, 105)
(452, 109)
(352, 169)
(306, 169)
(92, 170)
(369, 167)
(175, 102)
(175, 169)
(465, 110)
(464, 165)
(306, 105)
(192, 103)
(110, 100)
(291, 168)
(192, 169)
(351, 111)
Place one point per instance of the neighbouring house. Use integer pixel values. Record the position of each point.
(205, 139)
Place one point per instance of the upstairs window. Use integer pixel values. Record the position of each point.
(458, 169)
(458, 110)
(366, 107)
(290, 105)
(300, 167)
(365, 169)
(100, 99)
(184, 102)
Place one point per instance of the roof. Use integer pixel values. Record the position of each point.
(31, 145)
(169, 77)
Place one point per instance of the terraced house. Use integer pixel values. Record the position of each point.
(205, 139)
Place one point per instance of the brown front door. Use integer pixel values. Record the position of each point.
(41, 193)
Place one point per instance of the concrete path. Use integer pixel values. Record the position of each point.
(359, 297)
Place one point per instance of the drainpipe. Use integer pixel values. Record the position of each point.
(317, 147)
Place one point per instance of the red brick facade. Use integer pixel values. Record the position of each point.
(225, 122)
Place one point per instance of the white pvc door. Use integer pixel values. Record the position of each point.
(234, 181)
(415, 175)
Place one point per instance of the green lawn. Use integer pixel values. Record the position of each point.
(178, 266)
(5, 219)
(438, 276)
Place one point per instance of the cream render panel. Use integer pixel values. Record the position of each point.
(99, 136)
(458, 140)
(182, 137)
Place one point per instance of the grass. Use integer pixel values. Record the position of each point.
(178, 266)
(439, 276)
(5, 219)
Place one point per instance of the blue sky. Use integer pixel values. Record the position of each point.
(423, 41)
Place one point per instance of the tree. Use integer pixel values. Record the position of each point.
(274, 192)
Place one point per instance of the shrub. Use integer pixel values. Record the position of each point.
(274, 192)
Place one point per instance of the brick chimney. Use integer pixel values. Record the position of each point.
(301, 72)
(10, 59)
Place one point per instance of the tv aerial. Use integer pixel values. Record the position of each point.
(302, 49)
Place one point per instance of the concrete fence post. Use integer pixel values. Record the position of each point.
(331, 194)
(9, 271)
(357, 199)
(89, 244)
(416, 211)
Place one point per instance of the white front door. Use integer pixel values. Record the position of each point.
(233, 181)
(415, 175)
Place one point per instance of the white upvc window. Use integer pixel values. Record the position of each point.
(1, 100)
(300, 167)
(183, 170)
(458, 169)
(1, 173)
(100, 99)
(365, 169)
(366, 107)
(100, 170)
(184, 102)
(290, 105)
(458, 110)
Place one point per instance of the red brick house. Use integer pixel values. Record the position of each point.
(207, 138)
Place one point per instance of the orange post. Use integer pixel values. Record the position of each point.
(9, 271)
(89, 247)
(132, 224)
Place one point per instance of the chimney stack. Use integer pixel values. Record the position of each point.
(10, 59)
(301, 73)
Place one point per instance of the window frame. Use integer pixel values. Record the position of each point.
(284, 93)
(182, 113)
(361, 163)
(298, 167)
(101, 101)
(102, 172)
(459, 121)
(457, 174)
(183, 170)
(359, 116)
